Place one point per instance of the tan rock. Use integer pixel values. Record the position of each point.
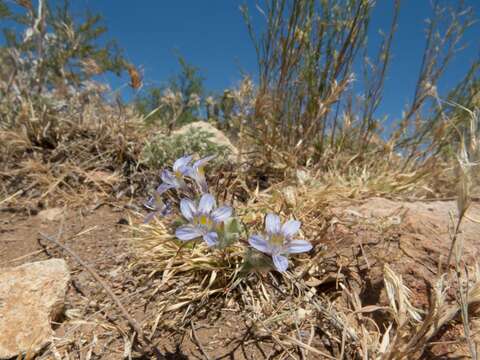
(52, 214)
(31, 296)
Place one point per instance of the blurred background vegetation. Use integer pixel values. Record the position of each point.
(310, 107)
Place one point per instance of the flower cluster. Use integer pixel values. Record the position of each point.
(205, 220)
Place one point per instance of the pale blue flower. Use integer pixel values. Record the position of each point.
(157, 207)
(175, 179)
(278, 241)
(204, 220)
(197, 173)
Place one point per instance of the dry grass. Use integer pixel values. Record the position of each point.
(100, 154)
(192, 279)
(277, 308)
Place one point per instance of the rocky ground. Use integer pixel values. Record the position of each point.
(414, 238)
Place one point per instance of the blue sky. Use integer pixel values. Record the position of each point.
(211, 34)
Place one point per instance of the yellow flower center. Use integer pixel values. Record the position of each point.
(201, 171)
(178, 174)
(203, 220)
(277, 239)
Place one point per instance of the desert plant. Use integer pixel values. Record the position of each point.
(306, 109)
(178, 102)
(64, 49)
(305, 59)
(47, 65)
(423, 130)
(163, 149)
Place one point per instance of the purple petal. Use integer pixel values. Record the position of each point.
(290, 228)
(259, 243)
(280, 262)
(199, 178)
(163, 187)
(165, 210)
(195, 174)
(151, 203)
(207, 203)
(202, 183)
(187, 232)
(298, 246)
(182, 162)
(221, 214)
(201, 162)
(184, 170)
(272, 224)
(191, 172)
(149, 217)
(169, 178)
(211, 238)
(188, 209)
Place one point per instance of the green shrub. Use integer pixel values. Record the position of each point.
(165, 149)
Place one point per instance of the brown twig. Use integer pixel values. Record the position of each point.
(197, 340)
(132, 322)
(455, 237)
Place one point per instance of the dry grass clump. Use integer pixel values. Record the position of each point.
(380, 169)
(59, 135)
(193, 281)
(406, 332)
(193, 269)
(293, 310)
(94, 146)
